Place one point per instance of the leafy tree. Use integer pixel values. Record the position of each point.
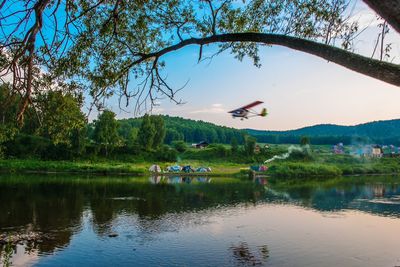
(172, 135)
(160, 131)
(61, 117)
(128, 133)
(107, 43)
(180, 146)
(304, 140)
(146, 133)
(106, 131)
(8, 109)
(250, 145)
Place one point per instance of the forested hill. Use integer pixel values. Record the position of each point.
(190, 131)
(387, 132)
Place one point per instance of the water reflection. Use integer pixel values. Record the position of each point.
(373, 197)
(178, 179)
(143, 209)
(245, 256)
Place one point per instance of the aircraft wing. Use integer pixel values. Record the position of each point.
(234, 111)
(255, 103)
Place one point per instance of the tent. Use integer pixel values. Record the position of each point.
(202, 169)
(155, 168)
(187, 169)
(175, 168)
(263, 168)
(259, 168)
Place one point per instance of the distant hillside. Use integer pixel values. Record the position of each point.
(385, 132)
(191, 131)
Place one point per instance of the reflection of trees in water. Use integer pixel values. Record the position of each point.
(6, 252)
(244, 256)
(56, 204)
(41, 208)
(345, 195)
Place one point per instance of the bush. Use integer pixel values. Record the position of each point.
(180, 146)
(220, 150)
(301, 170)
(167, 154)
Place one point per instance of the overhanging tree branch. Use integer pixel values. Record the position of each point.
(380, 70)
(387, 9)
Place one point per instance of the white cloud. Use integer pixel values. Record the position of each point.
(214, 109)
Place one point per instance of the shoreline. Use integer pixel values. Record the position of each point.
(221, 169)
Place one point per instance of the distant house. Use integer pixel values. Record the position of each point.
(391, 151)
(377, 151)
(338, 149)
(201, 144)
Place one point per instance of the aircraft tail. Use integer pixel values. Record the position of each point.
(263, 112)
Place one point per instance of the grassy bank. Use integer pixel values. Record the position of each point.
(111, 167)
(71, 166)
(315, 163)
(334, 165)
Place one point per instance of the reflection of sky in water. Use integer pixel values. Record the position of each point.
(210, 224)
(234, 235)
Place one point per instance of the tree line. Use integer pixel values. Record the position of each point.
(56, 128)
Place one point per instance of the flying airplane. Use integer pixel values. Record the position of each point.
(247, 112)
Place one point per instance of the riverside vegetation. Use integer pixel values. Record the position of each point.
(56, 137)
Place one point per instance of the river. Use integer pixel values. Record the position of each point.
(198, 221)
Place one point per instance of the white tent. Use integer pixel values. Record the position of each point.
(155, 168)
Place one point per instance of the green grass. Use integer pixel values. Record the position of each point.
(111, 167)
(320, 163)
(108, 167)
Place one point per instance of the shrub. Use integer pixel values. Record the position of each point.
(167, 154)
(180, 146)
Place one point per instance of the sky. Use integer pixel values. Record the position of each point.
(297, 89)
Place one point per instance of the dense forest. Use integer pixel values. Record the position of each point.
(379, 132)
(190, 131)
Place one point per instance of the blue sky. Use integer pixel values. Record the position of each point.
(298, 89)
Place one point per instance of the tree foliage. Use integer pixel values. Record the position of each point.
(146, 133)
(106, 131)
(115, 47)
(250, 145)
(60, 117)
(160, 131)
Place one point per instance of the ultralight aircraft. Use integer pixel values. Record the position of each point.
(247, 112)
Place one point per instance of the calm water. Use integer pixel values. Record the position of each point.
(200, 221)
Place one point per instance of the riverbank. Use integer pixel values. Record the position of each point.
(112, 167)
(281, 170)
(90, 167)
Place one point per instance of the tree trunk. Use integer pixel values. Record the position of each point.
(384, 71)
(387, 9)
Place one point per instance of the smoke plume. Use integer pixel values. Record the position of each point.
(291, 149)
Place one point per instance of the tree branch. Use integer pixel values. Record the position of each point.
(387, 9)
(384, 71)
